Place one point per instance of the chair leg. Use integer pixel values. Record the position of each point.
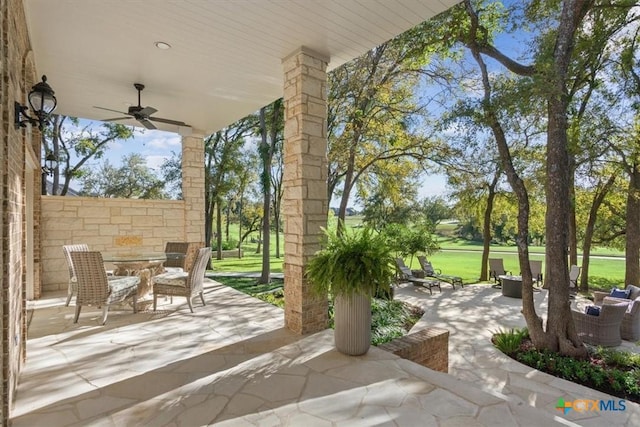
(155, 301)
(190, 304)
(105, 312)
(69, 295)
(202, 298)
(135, 303)
(78, 307)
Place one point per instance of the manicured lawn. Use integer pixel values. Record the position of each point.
(457, 257)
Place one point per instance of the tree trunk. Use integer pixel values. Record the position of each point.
(573, 232)
(588, 234)
(259, 239)
(348, 183)
(486, 228)
(227, 220)
(219, 228)
(560, 335)
(265, 153)
(632, 246)
(276, 220)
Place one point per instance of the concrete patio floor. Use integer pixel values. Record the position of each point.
(232, 363)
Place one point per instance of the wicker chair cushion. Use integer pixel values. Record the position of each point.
(592, 310)
(120, 287)
(634, 291)
(171, 278)
(619, 293)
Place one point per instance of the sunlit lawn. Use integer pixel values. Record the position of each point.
(457, 257)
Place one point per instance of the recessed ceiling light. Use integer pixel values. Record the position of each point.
(163, 45)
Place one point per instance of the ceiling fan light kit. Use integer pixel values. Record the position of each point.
(142, 114)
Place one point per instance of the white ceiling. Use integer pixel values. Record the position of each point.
(225, 60)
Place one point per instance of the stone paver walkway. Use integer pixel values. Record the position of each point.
(232, 363)
(471, 315)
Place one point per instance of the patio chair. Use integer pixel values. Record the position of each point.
(633, 293)
(630, 326)
(95, 289)
(574, 274)
(536, 271)
(429, 271)
(186, 284)
(180, 256)
(496, 269)
(73, 281)
(407, 275)
(601, 330)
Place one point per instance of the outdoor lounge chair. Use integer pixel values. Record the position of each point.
(407, 275)
(601, 330)
(95, 289)
(429, 271)
(496, 269)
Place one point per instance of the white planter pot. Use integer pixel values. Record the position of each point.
(352, 317)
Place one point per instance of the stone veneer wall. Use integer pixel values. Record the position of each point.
(108, 225)
(305, 200)
(428, 347)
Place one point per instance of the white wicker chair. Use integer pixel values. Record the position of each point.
(186, 284)
(95, 289)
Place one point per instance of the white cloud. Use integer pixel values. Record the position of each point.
(155, 161)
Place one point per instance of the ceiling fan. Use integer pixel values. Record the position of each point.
(141, 114)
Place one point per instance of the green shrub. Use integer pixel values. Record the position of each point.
(623, 380)
(508, 341)
(230, 244)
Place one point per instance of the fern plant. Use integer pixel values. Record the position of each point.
(352, 262)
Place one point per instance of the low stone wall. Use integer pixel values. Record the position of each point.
(428, 347)
(231, 253)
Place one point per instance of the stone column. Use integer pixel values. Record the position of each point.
(305, 203)
(193, 186)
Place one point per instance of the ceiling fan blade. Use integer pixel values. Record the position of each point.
(109, 109)
(117, 118)
(146, 111)
(146, 123)
(168, 121)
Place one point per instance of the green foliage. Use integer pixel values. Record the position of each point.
(618, 358)
(134, 179)
(606, 370)
(227, 245)
(508, 341)
(411, 240)
(357, 261)
(391, 320)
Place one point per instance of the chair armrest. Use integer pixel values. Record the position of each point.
(437, 271)
(613, 300)
(598, 297)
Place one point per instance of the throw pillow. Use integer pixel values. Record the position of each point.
(619, 293)
(592, 310)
